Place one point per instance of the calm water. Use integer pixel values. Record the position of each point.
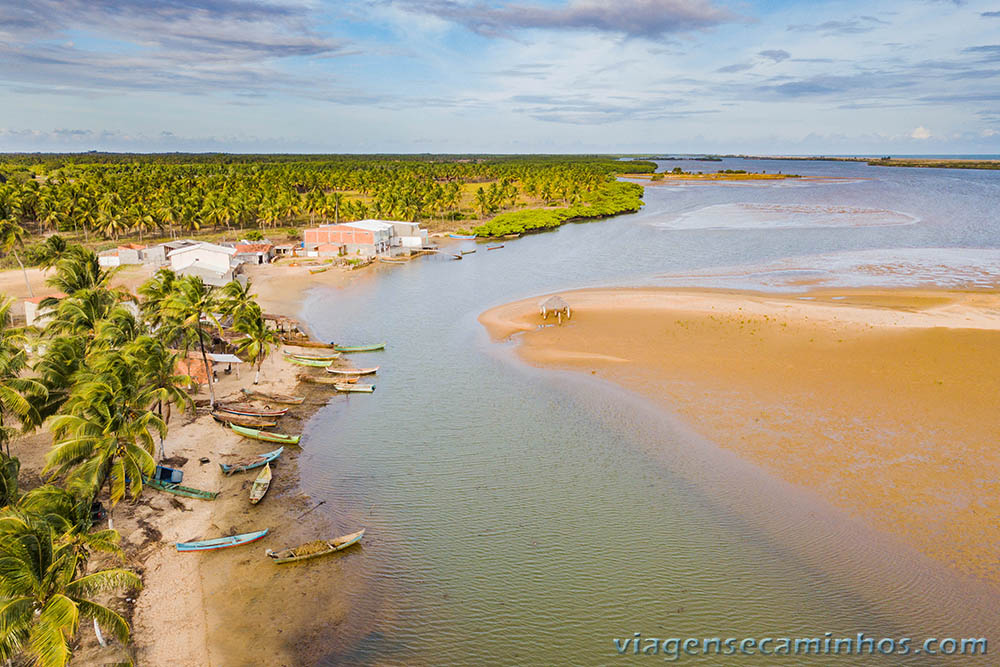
(519, 516)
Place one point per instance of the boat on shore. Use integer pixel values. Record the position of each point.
(360, 348)
(222, 542)
(353, 371)
(250, 410)
(393, 260)
(315, 548)
(260, 485)
(494, 247)
(464, 237)
(319, 270)
(317, 379)
(314, 363)
(179, 490)
(350, 388)
(253, 422)
(251, 462)
(326, 356)
(265, 436)
(275, 398)
(512, 236)
(304, 342)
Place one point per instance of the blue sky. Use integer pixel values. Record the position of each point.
(510, 76)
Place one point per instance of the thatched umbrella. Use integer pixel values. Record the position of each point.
(556, 305)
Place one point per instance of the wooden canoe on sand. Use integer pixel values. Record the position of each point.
(222, 542)
(251, 462)
(274, 398)
(241, 420)
(353, 371)
(260, 485)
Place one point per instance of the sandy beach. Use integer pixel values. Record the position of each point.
(881, 401)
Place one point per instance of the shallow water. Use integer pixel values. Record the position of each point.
(525, 516)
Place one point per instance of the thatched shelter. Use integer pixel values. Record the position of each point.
(555, 305)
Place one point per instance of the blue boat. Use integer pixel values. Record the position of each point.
(465, 237)
(222, 542)
(251, 463)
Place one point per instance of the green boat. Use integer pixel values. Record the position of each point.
(266, 436)
(359, 348)
(179, 490)
(315, 363)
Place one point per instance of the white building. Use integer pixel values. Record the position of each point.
(408, 235)
(213, 263)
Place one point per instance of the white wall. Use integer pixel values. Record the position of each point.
(205, 258)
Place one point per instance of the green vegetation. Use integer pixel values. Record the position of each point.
(103, 380)
(116, 196)
(935, 164)
(611, 199)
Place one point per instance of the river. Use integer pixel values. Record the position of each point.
(519, 516)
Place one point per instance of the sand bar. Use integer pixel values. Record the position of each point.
(881, 401)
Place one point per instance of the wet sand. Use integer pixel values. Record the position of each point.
(881, 401)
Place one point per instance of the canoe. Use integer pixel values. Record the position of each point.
(303, 342)
(319, 270)
(352, 388)
(250, 410)
(179, 490)
(317, 379)
(353, 371)
(274, 398)
(253, 422)
(222, 542)
(393, 260)
(315, 548)
(252, 462)
(315, 363)
(456, 256)
(465, 237)
(494, 247)
(260, 485)
(468, 252)
(265, 436)
(326, 356)
(360, 348)
(512, 236)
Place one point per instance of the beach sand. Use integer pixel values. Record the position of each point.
(881, 401)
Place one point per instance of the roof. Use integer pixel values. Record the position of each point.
(553, 303)
(131, 246)
(211, 247)
(224, 358)
(370, 225)
(253, 247)
(39, 299)
(202, 271)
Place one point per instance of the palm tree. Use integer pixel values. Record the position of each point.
(188, 312)
(257, 340)
(44, 592)
(19, 395)
(52, 250)
(79, 269)
(12, 237)
(159, 376)
(155, 292)
(237, 300)
(103, 434)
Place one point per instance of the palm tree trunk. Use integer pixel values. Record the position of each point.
(256, 378)
(24, 271)
(208, 372)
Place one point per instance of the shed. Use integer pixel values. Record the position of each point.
(555, 305)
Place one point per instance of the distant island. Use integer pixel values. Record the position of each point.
(889, 161)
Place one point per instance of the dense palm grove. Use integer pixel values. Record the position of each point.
(115, 195)
(101, 376)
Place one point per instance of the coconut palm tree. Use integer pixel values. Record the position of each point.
(79, 269)
(237, 300)
(188, 312)
(11, 238)
(44, 591)
(255, 345)
(51, 251)
(19, 395)
(159, 376)
(154, 293)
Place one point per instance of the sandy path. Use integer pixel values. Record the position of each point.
(884, 402)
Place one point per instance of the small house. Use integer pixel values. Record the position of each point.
(213, 263)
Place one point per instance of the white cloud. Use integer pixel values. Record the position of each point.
(921, 133)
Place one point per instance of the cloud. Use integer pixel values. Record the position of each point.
(735, 67)
(777, 55)
(851, 26)
(632, 18)
(991, 15)
(921, 133)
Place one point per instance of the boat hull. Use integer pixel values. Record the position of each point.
(355, 388)
(179, 490)
(261, 485)
(276, 398)
(250, 464)
(264, 436)
(240, 420)
(352, 371)
(360, 348)
(314, 363)
(332, 546)
(250, 412)
(222, 542)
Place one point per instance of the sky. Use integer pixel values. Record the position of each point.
(501, 76)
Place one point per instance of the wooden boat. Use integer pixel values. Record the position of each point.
(315, 549)
(250, 410)
(393, 260)
(319, 270)
(252, 462)
(465, 237)
(468, 252)
(354, 388)
(222, 542)
(274, 398)
(317, 379)
(260, 485)
(353, 371)
(314, 363)
(512, 236)
(326, 356)
(303, 342)
(494, 247)
(265, 436)
(179, 490)
(456, 256)
(254, 422)
(360, 348)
